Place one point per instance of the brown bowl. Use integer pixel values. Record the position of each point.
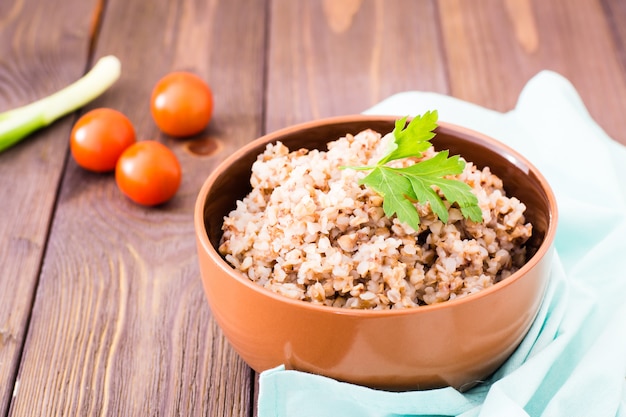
(454, 343)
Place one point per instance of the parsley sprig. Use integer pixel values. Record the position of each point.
(402, 187)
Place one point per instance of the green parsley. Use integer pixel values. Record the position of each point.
(402, 187)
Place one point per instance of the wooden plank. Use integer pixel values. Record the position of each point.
(132, 333)
(333, 57)
(615, 12)
(33, 64)
(495, 47)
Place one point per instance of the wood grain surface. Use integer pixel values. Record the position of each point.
(102, 311)
(33, 64)
(494, 47)
(328, 58)
(145, 343)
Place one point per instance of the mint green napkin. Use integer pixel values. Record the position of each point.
(573, 360)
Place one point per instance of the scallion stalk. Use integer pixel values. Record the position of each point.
(16, 124)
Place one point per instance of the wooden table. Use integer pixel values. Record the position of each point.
(101, 306)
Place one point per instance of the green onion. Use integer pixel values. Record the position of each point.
(18, 123)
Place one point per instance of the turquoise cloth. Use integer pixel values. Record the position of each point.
(573, 361)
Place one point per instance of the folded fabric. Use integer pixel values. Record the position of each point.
(573, 360)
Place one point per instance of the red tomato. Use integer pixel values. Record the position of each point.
(148, 173)
(181, 104)
(99, 137)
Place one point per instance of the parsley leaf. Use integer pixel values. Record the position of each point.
(397, 193)
(402, 187)
(412, 140)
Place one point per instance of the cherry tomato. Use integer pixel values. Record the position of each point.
(148, 173)
(181, 104)
(99, 137)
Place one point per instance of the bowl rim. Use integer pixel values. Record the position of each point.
(203, 239)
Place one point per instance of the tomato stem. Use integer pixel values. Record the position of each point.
(18, 123)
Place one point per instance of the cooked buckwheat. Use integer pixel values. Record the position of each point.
(309, 231)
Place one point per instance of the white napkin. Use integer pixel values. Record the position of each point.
(573, 360)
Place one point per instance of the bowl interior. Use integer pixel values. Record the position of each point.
(231, 178)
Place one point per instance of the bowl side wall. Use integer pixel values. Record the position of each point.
(439, 347)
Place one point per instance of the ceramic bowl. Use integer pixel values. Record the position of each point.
(455, 343)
